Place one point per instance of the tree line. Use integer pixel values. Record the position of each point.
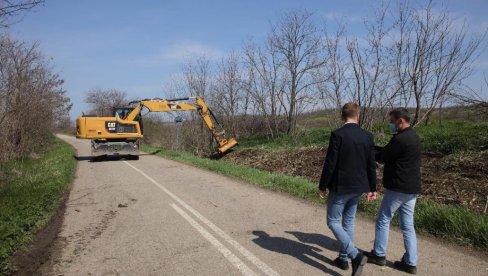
(409, 55)
(32, 99)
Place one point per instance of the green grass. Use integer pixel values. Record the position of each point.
(454, 136)
(451, 223)
(30, 192)
(446, 137)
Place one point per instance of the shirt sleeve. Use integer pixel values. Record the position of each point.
(390, 152)
(330, 161)
(372, 166)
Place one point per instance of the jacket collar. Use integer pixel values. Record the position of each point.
(404, 130)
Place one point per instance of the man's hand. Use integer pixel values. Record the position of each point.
(322, 194)
(371, 196)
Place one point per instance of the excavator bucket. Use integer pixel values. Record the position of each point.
(228, 145)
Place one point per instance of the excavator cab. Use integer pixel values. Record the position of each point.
(123, 112)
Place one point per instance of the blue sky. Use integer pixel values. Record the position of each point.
(136, 46)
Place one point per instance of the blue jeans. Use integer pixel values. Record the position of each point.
(343, 206)
(405, 203)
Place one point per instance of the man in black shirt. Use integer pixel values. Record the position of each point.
(349, 171)
(401, 179)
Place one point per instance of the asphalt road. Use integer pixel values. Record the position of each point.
(159, 217)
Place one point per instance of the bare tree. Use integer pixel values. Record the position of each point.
(265, 82)
(332, 77)
(12, 8)
(296, 39)
(434, 55)
(102, 101)
(370, 76)
(198, 82)
(473, 98)
(197, 74)
(228, 89)
(32, 99)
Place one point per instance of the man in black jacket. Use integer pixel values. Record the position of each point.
(349, 171)
(401, 179)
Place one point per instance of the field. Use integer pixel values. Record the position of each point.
(454, 163)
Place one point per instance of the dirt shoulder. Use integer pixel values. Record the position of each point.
(40, 250)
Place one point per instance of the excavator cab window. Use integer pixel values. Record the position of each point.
(122, 112)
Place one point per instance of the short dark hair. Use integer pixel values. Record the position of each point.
(350, 110)
(400, 113)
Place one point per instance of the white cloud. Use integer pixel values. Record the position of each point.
(481, 65)
(190, 49)
(181, 51)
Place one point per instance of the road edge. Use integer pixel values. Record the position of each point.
(44, 244)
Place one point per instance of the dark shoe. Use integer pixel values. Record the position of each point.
(374, 259)
(403, 266)
(358, 264)
(344, 265)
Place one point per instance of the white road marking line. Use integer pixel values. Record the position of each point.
(251, 257)
(233, 259)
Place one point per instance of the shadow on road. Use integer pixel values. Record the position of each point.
(324, 242)
(112, 157)
(317, 239)
(299, 250)
(150, 153)
(103, 158)
(82, 158)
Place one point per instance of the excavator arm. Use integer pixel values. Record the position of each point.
(210, 121)
(208, 117)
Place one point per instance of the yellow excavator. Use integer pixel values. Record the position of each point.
(120, 134)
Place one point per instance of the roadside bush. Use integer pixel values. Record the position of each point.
(32, 100)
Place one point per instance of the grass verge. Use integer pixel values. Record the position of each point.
(30, 192)
(296, 186)
(443, 137)
(451, 223)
